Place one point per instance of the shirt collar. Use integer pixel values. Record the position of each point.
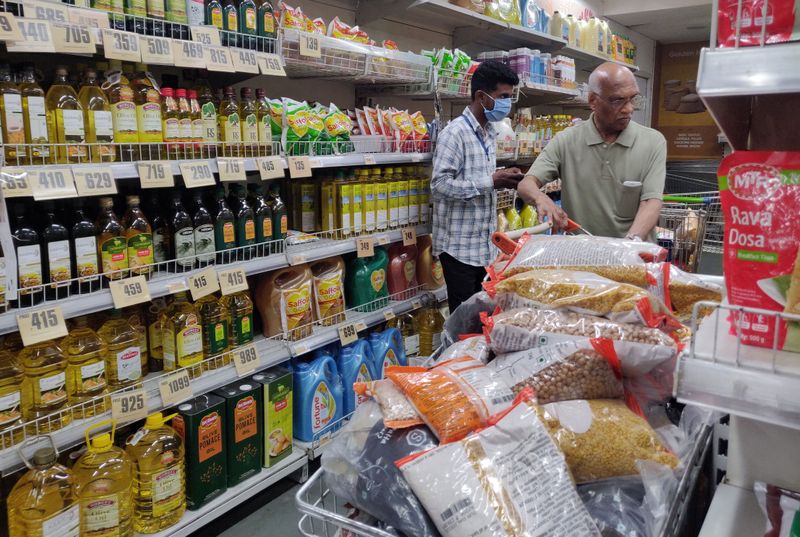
(624, 139)
(486, 132)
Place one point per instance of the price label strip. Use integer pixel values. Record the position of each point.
(15, 183)
(245, 61)
(369, 160)
(246, 360)
(95, 181)
(197, 174)
(41, 325)
(271, 64)
(218, 59)
(188, 54)
(9, 29)
(48, 11)
(37, 36)
(129, 406)
(155, 174)
(348, 334)
(53, 183)
(119, 45)
(88, 18)
(232, 281)
(175, 388)
(129, 292)
(299, 167)
(365, 247)
(156, 50)
(389, 315)
(207, 35)
(361, 326)
(270, 168)
(203, 283)
(231, 169)
(310, 46)
(409, 236)
(73, 39)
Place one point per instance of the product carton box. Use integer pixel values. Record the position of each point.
(277, 393)
(244, 429)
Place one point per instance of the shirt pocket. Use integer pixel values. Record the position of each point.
(627, 198)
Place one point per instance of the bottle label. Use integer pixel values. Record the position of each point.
(204, 242)
(184, 247)
(266, 229)
(14, 122)
(378, 280)
(198, 129)
(243, 327)
(172, 129)
(264, 129)
(136, 8)
(168, 349)
(216, 333)
(86, 258)
(37, 118)
(176, 11)
(232, 20)
(58, 261)
(129, 364)
(101, 516)
(437, 340)
(148, 119)
(231, 128)
(140, 250)
(155, 9)
(189, 345)
(209, 437)
(52, 389)
(295, 307)
(245, 419)
(329, 296)
(250, 19)
(195, 12)
(93, 377)
(250, 128)
(71, 122)
(363, 375)
(123, 116)
(64, 524)
(9, 408)
(249, 230)
(216, 17)
(114, 255)
(411, 345)
(185, 129)
(159, 248)
(284, 224)
(209, 114)
(103, 125)
(323, 408)
(228, 235)
(269, 23)
(29, 260)
(167, 491)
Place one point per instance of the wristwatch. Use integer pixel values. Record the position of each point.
(632, 237)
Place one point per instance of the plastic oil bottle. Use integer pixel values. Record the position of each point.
(44, 389)
(35, 117)
(123, 112)
(123, 359)
(104, 483)
(97, 118)
(154, 334)
(10, 393)
(111, 243)
(431, 324)
(13, 126)
(86, 368)
(136, 317)
(409, 329)
(240, 308)
(182, 336)
(216, 321)
(381, 200)
(139, 239)
(65, 120)
(159, 491)
(148, 114)
(44, 502)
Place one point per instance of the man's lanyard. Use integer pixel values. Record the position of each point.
(480, 140)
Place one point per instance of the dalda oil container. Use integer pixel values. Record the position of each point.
(244, 429)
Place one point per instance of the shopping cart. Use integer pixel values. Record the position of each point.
(687, 221)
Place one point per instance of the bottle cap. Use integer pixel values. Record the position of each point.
(101, 443)
(180, 92)
(44, 456)
(167, 92)
(157, 420)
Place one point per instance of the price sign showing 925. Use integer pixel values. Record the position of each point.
(129, 406)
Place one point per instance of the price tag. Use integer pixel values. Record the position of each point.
(15, 183)
(88, 18)
(246, 360)
(9, 29)
(207, 35)
(231, 169)
(203, 283)
(52, 183)
(129, 291)
(369, 160)
(271, 64)
(416, 304)
(409, 236)
(270, 168)
(95, 181)
(129, 406)
(118, 45)
(188, 54)
(49, 11)
(299, 349)
(365, 247)
(197, 174)
(232, 281)
(299, 167)
(177, 287)
(74, 39)
(218, 59)
(41, 325)
(383, 240)
(244, 61)
(297, 259)
(361, 326)
(175, 388)
(37, 36)
(156, 50)
(388, 315)
(348, 334)
(310, 46)
(155, 174)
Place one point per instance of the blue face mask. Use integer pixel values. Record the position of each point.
(501, 109)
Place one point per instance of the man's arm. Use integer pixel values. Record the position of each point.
(652, 188)
(448, 161)
(545, 169)
(646, 218)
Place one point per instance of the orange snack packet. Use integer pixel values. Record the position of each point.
(292, 18)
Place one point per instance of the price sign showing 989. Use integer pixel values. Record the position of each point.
(246, 359)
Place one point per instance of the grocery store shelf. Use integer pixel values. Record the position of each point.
(532, 92)
(588, 61)
(734, 512)
(234, 496)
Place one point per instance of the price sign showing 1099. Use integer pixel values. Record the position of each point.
(175, 388)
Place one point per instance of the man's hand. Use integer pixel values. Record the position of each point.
(545, 207)
(507, 178)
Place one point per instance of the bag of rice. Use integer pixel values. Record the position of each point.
(508, 480)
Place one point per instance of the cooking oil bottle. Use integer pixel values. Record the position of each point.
(409, 329)
(171, 123)
(431, 324)
(154, 334)
(86, 368)
(65, 120)
(44, 390)
(35, 117)
(216, 321)
(10, 393)
(123, 359)
(159, 492)
(12, 128)
(104, 485)
(381, 199)
(97, 118)
(136, 317)
(44, 502)
(182, 336)
(111, 243)
(240, 307)
(139, 239)
(123, 111)
(229, 121)
(147, 97)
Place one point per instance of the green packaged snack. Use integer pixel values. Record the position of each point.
(295, 138)
(316, 131)
(276, 118)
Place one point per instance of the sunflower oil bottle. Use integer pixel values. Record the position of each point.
(86, 368)
(216, 322)
(104, 485)
(65, 120)
(97, 118)
(240, 307)
(409, 329)
(431, 323)
(44, 388)
(44, 502)
(154, 334)
(10, 393)
(381, 199)
(35, 117)
(136, 317)
(159, 491)
(123, 360)
(182, 336)
(403, 182)
(12, 127)
(414, 184)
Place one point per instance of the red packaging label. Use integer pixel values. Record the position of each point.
(779, 23)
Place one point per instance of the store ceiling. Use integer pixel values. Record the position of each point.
(684, 21)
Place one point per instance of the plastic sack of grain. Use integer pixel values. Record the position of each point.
(473, 347)
(507, 480)
(681, 290)
(398, 412)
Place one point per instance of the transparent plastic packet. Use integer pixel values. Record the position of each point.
(466, 317)
(616, 506)
(397, 410)
(506, 480)
(359, 469)
(471, 345)
(781, 507)
(681, 290)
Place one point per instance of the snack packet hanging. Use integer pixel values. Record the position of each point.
(315, 26)
(363, 124)
(320, 141)
(403, 130)
(341, 30)
(398, 412)
(292, 18)
(295, 138)
(373, 121)
(338, 127)
(420, 134)
(360, 36)
(276, 118)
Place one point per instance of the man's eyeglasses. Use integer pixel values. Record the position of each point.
(619, 102)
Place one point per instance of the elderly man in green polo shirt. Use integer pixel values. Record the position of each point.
(612, 169)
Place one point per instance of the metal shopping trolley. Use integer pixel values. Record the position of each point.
(687, 221)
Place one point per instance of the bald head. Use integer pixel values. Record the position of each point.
(608, 77)
(612, 88)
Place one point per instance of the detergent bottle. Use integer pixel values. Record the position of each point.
(402, 273)
(387, 348)
(355, 365)
(365, 281)
(318, 398)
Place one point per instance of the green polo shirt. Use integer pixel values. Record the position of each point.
(594, 174)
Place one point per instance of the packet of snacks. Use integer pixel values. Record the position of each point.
(315, 26)
(341, 30)
(420, 135)
(292, 18)
(295, 137)
(363, 123)
(403, 131)
(338, 126)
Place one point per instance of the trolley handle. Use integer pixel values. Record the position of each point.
(687, 199)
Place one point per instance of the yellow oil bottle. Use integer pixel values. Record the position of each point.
(44, 390)
(159, 491)
(409, 329)
(104, 483)
(137, 319)
(65, 120)
(35, 117)
(431, 323)
(328, 200)
(381, 200)
(369, 200)
(216, 321)
(240, 307)
(86, 369)
(344, 196)
(182, 336)
(357, 203)
(10, 395)
(123, 360)
(424, 196)
(97, 118)
(414, 184)
(394, 197)
(154, 329)
(403, 182)
(44, 502)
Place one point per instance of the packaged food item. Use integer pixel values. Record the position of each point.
(681, 290)
(363, 123)
(359, 468)
(338, 127)
(603, 438)
(244, 429)
(318, 398)
(478, 6)
(397, 411)
(472, 346)
(504, 10)
(372, 115)
(315, 26)
(497, 482)
(579, 369)
(276, 118)
(760, 199)
(292, 18)
(361, 36)
(402, 131)
(782, 509)
(781, 22)
(453, 398)
(284, 301)
(320, 142)
(420, 134)
(341, 30)
(295, 138)
(402, 271)
(276, 386)
(329, 290)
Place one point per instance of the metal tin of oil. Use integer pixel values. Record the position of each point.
(277, 393)
(244, 429)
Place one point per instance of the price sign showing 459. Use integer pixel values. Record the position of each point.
(129, 292)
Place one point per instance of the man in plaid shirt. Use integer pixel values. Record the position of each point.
(464, 181)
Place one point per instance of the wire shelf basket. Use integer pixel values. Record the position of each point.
(506, 199)
(338, 58)
(681, 230)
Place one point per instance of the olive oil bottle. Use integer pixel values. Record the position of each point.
(245, 225)
(198, 150)
(263, 217)
(229, 121)
(137, 320)
(35, 117)
(123, 112)
(97, 118)
(171, 123)
(86, 265)
(280, 219)
(204, 243)
(216, 320)
(12, 126)
(224, 229)
(208, 113)
(139, 239)
(154, 333)
(57, 256)
(182, 235)
(148, 114)
(123, 359)
(240, 307)
(29, 259)
(111, 243)
(86, 368)
(44, 389)
(182, 336)
(248, 113)
(65, 120)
